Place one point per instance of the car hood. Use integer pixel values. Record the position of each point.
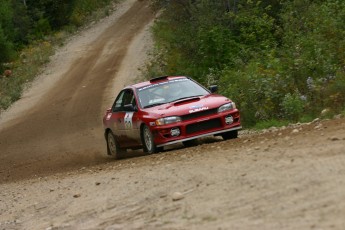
(188, 105)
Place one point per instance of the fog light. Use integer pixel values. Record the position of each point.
(229, 120)
(175, 132)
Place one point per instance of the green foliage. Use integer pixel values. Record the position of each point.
(207, 35)
(6, 48)
(21, 25)
(25, 21)
(34, 56)
(270, 123)
(82, 9)
(293, 106)
(277, 60)
(31, 29)
(6, 35)
(6, 15)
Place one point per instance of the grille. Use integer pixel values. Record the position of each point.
(202, 126)
(199, 114)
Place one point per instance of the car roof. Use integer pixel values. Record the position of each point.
(156, 80)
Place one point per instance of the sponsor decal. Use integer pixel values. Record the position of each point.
(152, 123)
(197, 108)
(108, 116)
(162, 83)
(128, 120)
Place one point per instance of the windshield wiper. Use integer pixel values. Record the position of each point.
(153, 105)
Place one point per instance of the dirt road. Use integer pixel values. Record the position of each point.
(62, 130)
(54, 174)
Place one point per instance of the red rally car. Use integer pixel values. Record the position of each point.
(167, 110)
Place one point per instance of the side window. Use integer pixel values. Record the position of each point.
(126, 97)
(118, 102)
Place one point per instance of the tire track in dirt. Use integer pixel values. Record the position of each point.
(63, 130)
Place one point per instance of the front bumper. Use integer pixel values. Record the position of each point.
(202, 135)
(215, 124)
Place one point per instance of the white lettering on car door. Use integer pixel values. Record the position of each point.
(129, 120)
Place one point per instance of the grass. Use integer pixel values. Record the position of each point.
(343, 113)
(270, 123)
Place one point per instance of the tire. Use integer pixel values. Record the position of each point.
(147, 141)
(230, 135)
(190, 143)
(113, 147)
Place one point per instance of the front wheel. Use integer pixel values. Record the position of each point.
(147, 141)
(230, 135)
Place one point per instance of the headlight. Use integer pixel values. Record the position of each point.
(168, 120)
(226, 107)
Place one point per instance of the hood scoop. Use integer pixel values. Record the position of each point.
(187, 100)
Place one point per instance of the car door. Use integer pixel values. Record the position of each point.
(116, 117)
(125, 117)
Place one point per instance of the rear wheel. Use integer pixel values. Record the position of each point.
(147, 141)
(113, 147)
(230, 135)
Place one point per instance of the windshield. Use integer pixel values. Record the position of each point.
(169, 91)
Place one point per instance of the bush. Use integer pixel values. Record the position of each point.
(276, 60)
(293, 105)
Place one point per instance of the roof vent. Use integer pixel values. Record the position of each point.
(159, 78)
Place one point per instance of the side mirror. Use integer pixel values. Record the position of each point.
(130, 108)
(213, 88)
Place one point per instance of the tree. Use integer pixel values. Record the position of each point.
(6, 48)
(6, 31)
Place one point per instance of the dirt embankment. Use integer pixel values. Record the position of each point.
(288, 178)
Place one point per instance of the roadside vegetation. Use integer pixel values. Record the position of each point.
(280, 61)
(29, 32)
